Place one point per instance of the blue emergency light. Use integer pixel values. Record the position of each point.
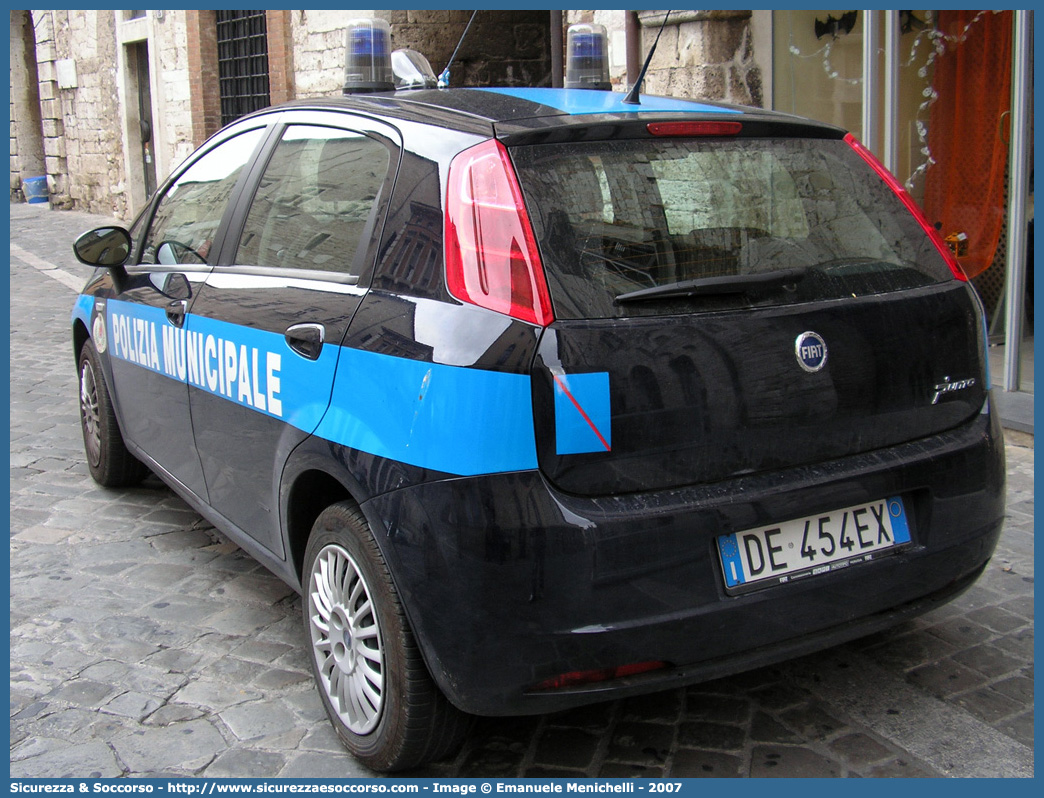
(368, 61)
(587, 57)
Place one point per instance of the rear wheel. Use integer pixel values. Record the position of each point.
(108, 459)
(372, 680)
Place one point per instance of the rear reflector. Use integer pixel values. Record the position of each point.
(578, 678)
(911, 206)
(491, 253)
(694, 128)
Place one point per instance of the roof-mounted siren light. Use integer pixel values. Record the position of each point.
(412, 70)
(587, 57)
(367, 63)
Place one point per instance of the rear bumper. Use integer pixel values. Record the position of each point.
(508, 582)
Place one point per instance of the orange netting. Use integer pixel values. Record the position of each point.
(965, 188)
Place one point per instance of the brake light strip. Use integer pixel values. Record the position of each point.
(910, 204)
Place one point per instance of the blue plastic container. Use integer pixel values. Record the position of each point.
(35, 189)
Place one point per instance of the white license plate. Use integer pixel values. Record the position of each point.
(818, 544)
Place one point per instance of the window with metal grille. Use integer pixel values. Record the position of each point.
(242, 40)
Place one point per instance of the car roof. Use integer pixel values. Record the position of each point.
(518, 110)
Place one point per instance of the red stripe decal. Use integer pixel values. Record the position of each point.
(580, 410)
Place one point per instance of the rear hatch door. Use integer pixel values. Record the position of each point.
(728, 305)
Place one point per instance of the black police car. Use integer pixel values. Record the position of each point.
(541, 398)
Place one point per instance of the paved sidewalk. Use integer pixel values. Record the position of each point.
(145, 644)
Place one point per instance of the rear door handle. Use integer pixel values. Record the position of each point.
(176, 312)
(306, 339)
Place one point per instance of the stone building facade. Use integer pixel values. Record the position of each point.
(708, 55)
(124, 96)
(27, 156)
(78, 91)
(705, 54)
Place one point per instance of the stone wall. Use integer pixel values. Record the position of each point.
(86, 99)
(507, 48)
(707, 55)
(79, 104)
(502, 48)
(174, 142)
(318, 40)
(27, 155)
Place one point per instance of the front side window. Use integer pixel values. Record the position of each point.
(189, 213)
(314, 200)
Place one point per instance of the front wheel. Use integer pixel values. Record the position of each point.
(108, 459)
(372, 680)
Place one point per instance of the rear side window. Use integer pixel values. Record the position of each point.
(314, 200)
(616, 218)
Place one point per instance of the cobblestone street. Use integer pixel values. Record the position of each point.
(145, 644)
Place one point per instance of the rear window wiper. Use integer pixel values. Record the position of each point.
(724, 284)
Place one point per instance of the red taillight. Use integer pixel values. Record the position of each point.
(491, 252)
(908, 201)
(577, 678)
(694, 128)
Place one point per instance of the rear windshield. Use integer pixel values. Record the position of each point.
(774, 221)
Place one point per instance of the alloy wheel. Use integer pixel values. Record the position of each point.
(90, 413)
(346, 639)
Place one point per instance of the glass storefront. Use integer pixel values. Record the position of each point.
(946, 129)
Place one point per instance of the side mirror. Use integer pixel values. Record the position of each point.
(174, 253)
(105, 246)
(166, 255)
(176, 286)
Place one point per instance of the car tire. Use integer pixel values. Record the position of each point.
(371, 677)
(110, 462)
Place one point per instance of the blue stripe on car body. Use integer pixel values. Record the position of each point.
(447, 418)
(607, 102)
(456, 420)
(583, 418)
(83, 309)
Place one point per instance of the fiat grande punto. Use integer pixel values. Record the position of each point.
(540, 398)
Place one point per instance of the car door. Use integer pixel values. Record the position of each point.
(279, 303)
(148, 316)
